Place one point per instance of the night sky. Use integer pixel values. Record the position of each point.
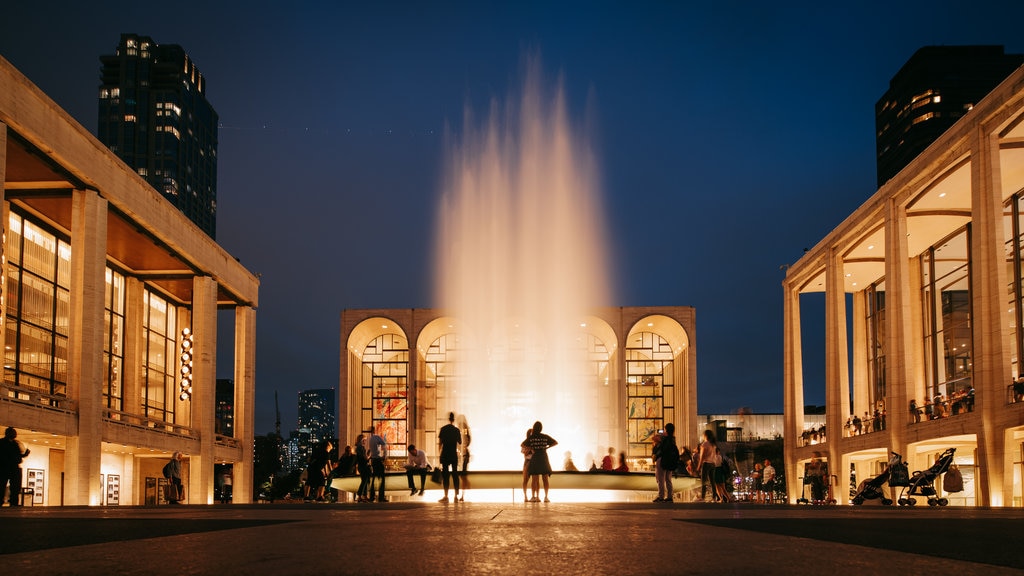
(730, 137)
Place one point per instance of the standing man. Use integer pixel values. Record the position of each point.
(768, 481)
(416, 464)
(12, 452)
(665, 462)
(449, 438)
(378, 452)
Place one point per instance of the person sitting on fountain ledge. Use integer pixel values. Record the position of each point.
(416, 464)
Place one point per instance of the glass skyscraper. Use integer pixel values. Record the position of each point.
(154, 115)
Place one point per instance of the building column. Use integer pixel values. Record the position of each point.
(837, 373)
(245, 401)
(991, 369)
(204, 388)
(85, 347)
(899, 326)
(793, 386)
(132, 372)
(4, 220)
(862, 380)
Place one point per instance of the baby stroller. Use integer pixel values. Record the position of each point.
(871, 489)
(922, 482)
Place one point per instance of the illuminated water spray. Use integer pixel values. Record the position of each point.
(521, 264)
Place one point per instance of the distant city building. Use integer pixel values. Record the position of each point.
(316, 413)
(934, 89)
(225, 400)
(297, 449)
(154, 115)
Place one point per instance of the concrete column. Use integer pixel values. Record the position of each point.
(861, 375)
(793, 385)
(204, 388)
(837, 373)
(989, 323)
(85, 347)
(245, 401)
(133, 371)
(4, 219)
(899, 327)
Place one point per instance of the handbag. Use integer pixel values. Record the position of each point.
(435, 476)
(953, 480)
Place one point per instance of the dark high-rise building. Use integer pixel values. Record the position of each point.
(225, 400)
(316, 413)
(937, 86)
(154, 115)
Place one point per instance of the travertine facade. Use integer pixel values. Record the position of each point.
(100, 398)
(926, 278)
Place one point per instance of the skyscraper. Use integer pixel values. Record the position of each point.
(316, 414)
(154, 115)
(934, 89)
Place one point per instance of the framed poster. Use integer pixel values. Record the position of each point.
(113, 489)
(36, 481)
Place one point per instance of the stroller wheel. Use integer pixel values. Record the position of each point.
(911, 501)
(902, 501)
(858, 501)
(943, 501)
(886, 502)
(932, 502)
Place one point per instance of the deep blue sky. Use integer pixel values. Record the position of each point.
(731, 136)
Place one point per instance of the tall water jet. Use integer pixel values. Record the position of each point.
(520, 266)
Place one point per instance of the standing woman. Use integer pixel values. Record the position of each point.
(706, 455)
(464, 427)
(540, 466)
(527, 453)
(363, 468)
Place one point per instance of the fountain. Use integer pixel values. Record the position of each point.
(520, 267)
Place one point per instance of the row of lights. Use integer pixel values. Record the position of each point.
(185, 392)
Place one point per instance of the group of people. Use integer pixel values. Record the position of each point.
(371, 453)
(938, 407)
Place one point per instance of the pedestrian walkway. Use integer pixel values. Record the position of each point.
(514, 538)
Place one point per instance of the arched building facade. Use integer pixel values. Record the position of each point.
(400, 369)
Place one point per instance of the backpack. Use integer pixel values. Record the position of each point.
(167, 470)
(669, 456)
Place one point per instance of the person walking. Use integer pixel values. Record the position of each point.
(449, 438)
(12, 452)
(172, 472)
(540, 466)
(377, 449)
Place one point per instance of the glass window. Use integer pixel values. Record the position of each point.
(649, 390)
(947, 319)
(160, 357)
(37, 306)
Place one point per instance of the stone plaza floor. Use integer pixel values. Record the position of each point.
(424, 537)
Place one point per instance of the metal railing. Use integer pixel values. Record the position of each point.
(143, 422)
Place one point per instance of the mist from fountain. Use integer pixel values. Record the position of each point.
(521, 264)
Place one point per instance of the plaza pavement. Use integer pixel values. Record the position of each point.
(422, 537)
